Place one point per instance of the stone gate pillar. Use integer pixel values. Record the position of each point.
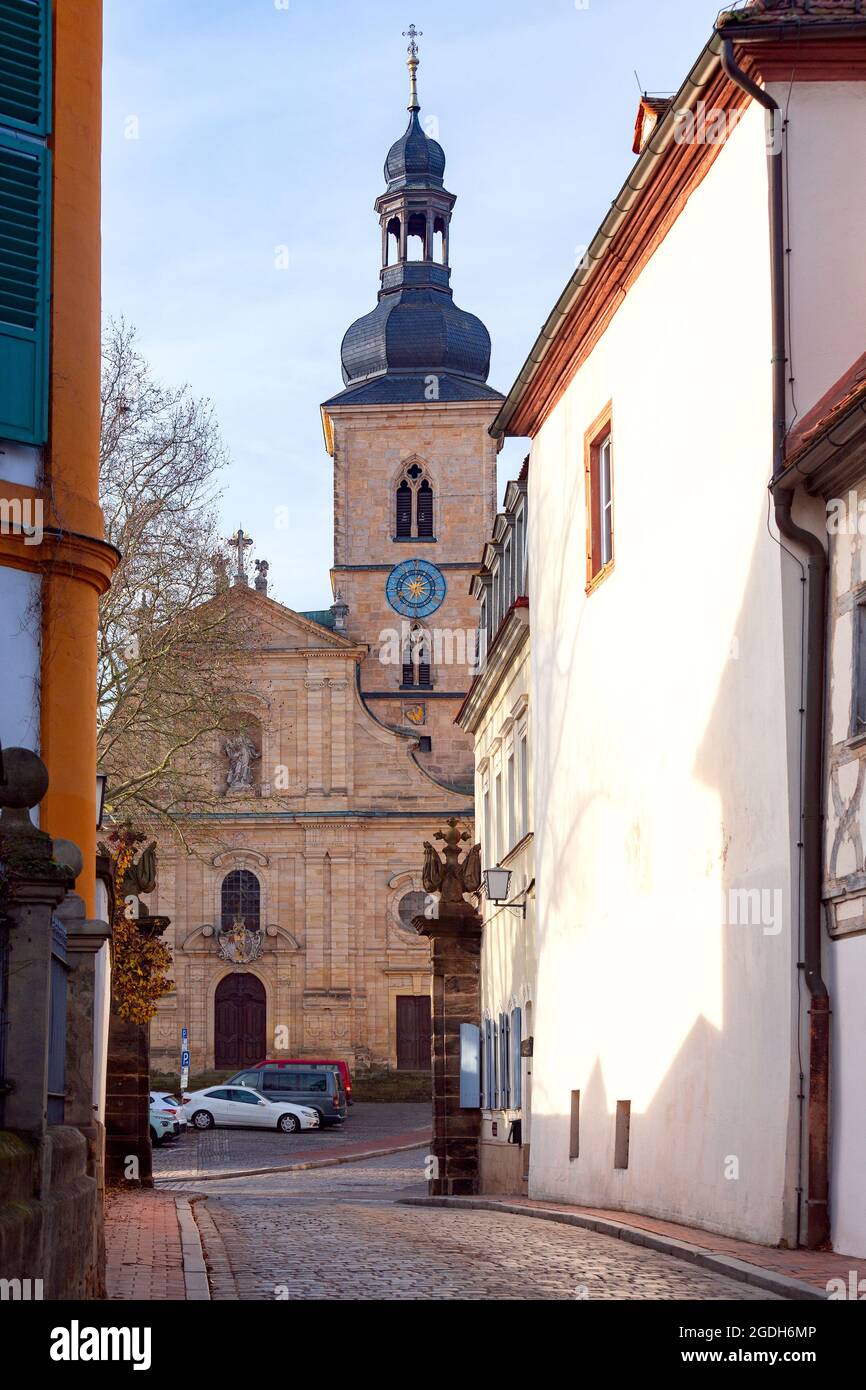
(454, 929)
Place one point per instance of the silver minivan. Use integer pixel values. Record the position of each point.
(319, 1087)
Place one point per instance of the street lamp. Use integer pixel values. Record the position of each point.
(496, 884)
(101, 784)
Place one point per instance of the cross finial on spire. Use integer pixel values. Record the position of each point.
(240, 541)
(413, 34)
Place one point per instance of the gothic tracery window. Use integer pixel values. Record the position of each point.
(414, 505)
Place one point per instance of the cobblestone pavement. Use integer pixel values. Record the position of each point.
(339, 1233)
(224, 1150)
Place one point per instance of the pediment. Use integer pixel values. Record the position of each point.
(284, 628)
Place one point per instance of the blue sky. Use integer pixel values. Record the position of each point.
(264, 124)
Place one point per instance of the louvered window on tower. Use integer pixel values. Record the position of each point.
(25, 223)
(425, 510)
(404, 510)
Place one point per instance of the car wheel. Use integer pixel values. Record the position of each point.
(154, 1138)
(203, 1119)
(289, 1124)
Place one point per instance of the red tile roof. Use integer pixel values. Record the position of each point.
(841, 396)
(797, 11)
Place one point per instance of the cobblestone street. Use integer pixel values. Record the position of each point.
(197, 1154)
(340, 1233)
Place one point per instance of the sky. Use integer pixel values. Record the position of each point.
(243, 148)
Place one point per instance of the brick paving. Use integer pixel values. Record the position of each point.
(369, 1126)
(811, 1266)
(143, 1246)
(340, 1234)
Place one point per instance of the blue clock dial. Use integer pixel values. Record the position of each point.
(415, 588)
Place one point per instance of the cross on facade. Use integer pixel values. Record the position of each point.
(240, 542)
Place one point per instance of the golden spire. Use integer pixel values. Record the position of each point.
(412, 34)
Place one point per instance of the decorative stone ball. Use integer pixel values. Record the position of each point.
(271, 930)
(25, 779)
(67, 853)
(207, 931)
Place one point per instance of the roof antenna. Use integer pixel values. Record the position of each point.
(637, 80)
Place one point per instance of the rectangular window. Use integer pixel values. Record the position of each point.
(574, 1127)
(858, 703)
(519, 557)
(512, 835)
(598, 464)
(498, 836)
(507, 594)
(623, 1127)
(524, 785)
(487, 847)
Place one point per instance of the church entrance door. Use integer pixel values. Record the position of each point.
(413, 1032)
(240, 1014)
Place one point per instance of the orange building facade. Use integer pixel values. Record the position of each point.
(54, 564)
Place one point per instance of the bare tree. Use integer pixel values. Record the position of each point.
(171, 634)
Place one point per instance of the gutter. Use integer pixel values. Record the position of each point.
(811, 793)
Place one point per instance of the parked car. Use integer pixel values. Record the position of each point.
(242, 1105)
(172, 1105)
(304, 1083)
(162, 1125)
(342, 1068)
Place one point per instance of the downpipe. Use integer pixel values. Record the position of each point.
(812, 821)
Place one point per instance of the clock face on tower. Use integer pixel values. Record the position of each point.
(415, 588)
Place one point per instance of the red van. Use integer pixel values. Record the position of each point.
(342, 1068)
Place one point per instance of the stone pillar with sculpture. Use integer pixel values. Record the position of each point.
(139, 977)
(454, 929)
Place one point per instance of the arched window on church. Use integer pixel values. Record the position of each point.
(241, 899)
(414, 505)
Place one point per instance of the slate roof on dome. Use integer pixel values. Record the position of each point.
(389, 389)
(414, 159)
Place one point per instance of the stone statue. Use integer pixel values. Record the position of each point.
(241, 753)
(447, 875)
(140, 877)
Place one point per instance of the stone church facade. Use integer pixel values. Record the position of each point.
(291, 922)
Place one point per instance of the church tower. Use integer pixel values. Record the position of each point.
(414, 465)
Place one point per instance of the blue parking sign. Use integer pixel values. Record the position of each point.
(184, 1059)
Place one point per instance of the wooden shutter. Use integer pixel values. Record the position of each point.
(25, 65)
(425, 510)
(516, 1065)
(404, 510)
(488, 1063)
(25, 232)
(505, 1062)
(469, 1066)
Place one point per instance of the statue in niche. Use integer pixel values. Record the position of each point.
(241, 753)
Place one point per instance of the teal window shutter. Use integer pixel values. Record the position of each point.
(25, 235)
(25, 65)
(25, 218)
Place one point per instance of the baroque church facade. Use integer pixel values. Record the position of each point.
(291, 923)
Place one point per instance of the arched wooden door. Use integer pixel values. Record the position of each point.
(240, 1015)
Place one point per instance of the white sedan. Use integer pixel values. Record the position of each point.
(242, 1105)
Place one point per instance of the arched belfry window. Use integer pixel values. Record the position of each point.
(241, 899)
(414, 505)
